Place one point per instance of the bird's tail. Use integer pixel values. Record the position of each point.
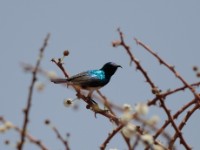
(59, 80)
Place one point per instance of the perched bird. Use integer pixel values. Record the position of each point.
(91, 80)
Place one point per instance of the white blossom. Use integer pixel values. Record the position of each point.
(153, 120)
(147, 138)
(51, 74)
(129, 130)
(2, 129)
(126, 117)
(39, 86)
(127, 107)
(8, 125)
(141, 108)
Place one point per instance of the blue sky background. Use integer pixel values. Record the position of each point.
(87, 28)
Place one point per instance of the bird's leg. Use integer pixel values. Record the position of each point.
(89, 96)
(78, 92)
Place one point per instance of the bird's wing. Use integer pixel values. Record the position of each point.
(89, 78)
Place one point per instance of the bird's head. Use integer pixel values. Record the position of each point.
(110, 68)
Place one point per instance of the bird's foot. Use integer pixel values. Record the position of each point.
(91, 103)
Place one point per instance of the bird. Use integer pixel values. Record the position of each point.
(90, 80)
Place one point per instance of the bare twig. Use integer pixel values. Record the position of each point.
(178, 131)
(182, 124)
(61, 138)
(132, 57)
(159, 131)
(171, 68)
(60, 65)
(110, 136)
(170, 92)
(27, 109)
(65, 142)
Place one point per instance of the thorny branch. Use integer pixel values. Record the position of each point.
(61, 138)
(155, 90)
(132, 57)
(175, 116)
(110, 136)
(170, 92)
(182, 124)
(171, 68)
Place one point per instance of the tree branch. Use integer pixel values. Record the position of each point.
(28, 107)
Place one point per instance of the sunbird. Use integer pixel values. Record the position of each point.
(91, 80)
